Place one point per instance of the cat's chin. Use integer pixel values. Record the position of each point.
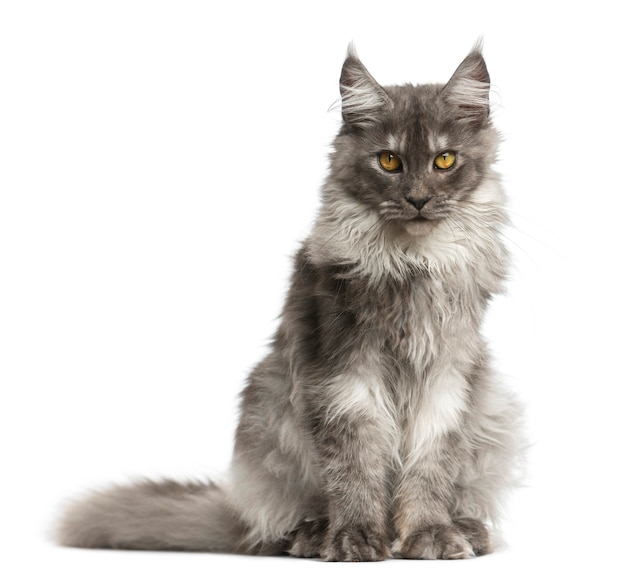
(419, 227)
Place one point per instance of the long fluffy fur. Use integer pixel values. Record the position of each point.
(375, 426)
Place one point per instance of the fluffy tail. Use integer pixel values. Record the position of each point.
(157, 516)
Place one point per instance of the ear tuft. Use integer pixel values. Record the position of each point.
(362, 98)
(467, 92)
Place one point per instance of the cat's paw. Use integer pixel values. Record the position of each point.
(463, 538)
(476, 533)
(355, 544)
(307, 540)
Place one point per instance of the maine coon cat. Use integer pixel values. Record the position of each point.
(374, 427)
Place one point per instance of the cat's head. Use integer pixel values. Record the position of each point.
(414, 154)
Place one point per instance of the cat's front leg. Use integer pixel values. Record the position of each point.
(424, 526)
(353, 449)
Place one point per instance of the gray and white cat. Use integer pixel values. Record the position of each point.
(374, 427)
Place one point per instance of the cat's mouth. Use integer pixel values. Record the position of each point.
(405, 213)
(425, 218)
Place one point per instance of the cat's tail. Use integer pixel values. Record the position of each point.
(157, 516)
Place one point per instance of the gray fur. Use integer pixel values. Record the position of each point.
(375, 427)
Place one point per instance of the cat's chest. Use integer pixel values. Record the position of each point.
(422, 320)
(426, 339)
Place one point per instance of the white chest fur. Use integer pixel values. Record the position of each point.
(435, 411)
(413, 415)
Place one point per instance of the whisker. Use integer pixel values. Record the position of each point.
(542, 243)
(515, 226)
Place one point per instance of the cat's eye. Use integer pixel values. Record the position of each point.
(389, 161)
(445, 160)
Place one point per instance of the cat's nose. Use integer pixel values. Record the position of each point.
(419, 203)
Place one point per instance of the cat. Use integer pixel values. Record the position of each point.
(374, 428)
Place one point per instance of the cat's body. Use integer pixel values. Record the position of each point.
(374, 426)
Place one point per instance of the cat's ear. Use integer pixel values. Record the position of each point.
(363, 100)
(467, 92)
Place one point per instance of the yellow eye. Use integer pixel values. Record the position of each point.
(445, 160)
(389, 162)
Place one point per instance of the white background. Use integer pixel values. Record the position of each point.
(160, 161)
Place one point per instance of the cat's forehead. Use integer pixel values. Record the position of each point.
(409, 97)
(403, 139)
(417, 118)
